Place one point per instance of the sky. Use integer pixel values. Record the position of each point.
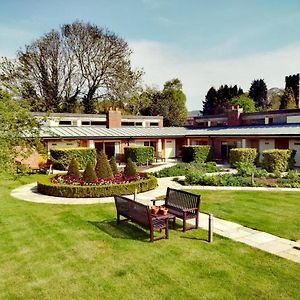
(203, 43)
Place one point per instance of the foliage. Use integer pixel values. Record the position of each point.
(288, 99)
(46, 187)
(73, 170)
(103, 169)
(274, 97)
(141, 155)
(130, 168)
(199, 153)
(218, 101)
(182, 169)
(260, 173)
(244, 155)
(278, 160)
(113, 165)
(19, 133)
(245, 168)
(89, 174)
(62, 156)
(244, 102)
(79, 63)
(258, 92)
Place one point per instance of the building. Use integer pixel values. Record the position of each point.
(112, 132)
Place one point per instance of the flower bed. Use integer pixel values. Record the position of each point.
(72, 187)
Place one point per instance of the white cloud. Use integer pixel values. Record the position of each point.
(162, 62)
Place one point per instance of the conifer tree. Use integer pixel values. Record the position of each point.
(89, 174)
(113, 165)
(73, 169)
(130, 168)
(103, 169)
(288, 99)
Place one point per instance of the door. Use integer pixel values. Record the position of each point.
(170, 146)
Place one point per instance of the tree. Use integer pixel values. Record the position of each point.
(130, 168)
(244, 102)
(170, 103)
(79, 63)
(113, 165)
(73, 169)
(89, 174)
(103, 169)
(274, 97)
(218, 102)
(288, 99)
(258, 92)
(19, 132)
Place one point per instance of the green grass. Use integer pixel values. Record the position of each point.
(274, 212)
(78, 252)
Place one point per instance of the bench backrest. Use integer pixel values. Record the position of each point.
(136, 211)
(181, 199)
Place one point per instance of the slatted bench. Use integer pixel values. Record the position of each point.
(183, 205)
(140, 214)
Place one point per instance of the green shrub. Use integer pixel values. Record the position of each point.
(130, 168)
(261, 173)
(89, 174)
(103, 169)
(45, 186)
(73, 169)
(242, 155)
(201, 153)
(113, 165)
(141, 155)
(245, 168)
(278, 160)
(61, 157)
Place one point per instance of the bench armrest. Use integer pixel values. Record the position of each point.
(190, 209)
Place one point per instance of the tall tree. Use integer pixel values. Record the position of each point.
(170, 103)
(210, 102)
(244, 102)
(79, 62)
(259, 93)
(288, 99)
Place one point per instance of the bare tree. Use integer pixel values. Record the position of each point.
(80, 62)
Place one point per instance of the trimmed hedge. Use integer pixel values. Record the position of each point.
(242, 155)
(45, 186)
(199, 153)
(278, 160)
(61, 157)
(139, 154)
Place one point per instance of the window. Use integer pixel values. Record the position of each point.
(98, 123)
(153, 124)
(65, 123)
(127, 123)
(84, 123)
(138, 124)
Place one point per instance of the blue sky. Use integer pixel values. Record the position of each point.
(203, 43)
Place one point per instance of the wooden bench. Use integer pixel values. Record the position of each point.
(140, 214)
(183, 205)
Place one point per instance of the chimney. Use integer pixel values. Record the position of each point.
(234, 116)
(113, 118)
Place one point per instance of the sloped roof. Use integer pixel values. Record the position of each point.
(292, 130)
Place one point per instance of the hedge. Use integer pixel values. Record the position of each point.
(278, 160)
(141, 155)
(242, 155)
(44, 186)
(201, 153)
(61, 157)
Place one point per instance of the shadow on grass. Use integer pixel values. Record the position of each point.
(125, 230)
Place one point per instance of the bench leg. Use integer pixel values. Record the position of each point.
(151, 234)
(197, 221)
(118, 218)
(174, 222)
(167, 229)
(184, 225)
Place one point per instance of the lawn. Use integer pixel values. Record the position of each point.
(78, 252)
(273, 212)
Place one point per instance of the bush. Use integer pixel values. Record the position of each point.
(45, 186)
(61, 157)
(261, 173)
(113, 165)
(242, 155)
(141, 155)
(73, 169)
(89, 174)
(202, 153)
(103, 169)
(130, 168)
(245, 168)
(278, 160)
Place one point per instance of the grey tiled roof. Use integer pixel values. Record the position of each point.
(292, 130)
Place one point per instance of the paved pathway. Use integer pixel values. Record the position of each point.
(258, 239)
